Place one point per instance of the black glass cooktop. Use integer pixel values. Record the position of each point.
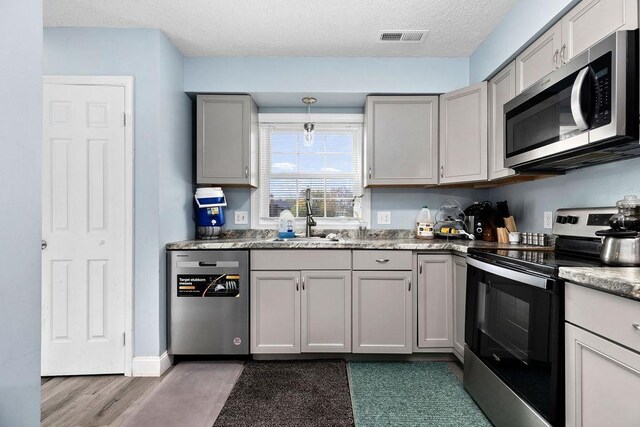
(540, 262)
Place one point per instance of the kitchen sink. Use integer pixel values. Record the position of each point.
(309, 240)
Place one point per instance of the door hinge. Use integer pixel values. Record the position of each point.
(124, 338)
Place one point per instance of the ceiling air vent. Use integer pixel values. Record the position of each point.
(412, 36)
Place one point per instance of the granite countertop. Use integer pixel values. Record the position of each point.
(411, 244)
(621, 281)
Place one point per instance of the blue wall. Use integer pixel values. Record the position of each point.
(334, 75)
(522, 23)
(162, 150)
(20, 215)
(593, 186)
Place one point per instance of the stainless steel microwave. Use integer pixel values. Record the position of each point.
(584, 113)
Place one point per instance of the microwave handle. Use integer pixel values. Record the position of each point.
(576, 99)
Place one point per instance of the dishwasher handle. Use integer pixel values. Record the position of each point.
(208, 264)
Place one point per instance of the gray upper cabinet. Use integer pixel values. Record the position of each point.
(583, 26)
(502, 88)
(463, 135)
(539, 59)
(593, 20)
(227, 140)
(401, 140)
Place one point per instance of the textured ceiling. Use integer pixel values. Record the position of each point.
(293, 27)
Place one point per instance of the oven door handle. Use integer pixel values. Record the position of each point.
(527, 279)
(576, 98)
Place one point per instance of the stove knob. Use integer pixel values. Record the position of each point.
(561, 219)
(572, 219)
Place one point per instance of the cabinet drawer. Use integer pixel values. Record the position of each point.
(297, 259)
(382, 260)
(608, 315)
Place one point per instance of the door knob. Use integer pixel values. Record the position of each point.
(44, 244)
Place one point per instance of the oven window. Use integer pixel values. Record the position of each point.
(513, 336)
(544, 119)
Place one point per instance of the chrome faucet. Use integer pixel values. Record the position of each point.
(310, 221)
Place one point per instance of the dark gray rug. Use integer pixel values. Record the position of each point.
(301, 393)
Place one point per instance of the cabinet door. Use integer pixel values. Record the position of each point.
(227, 138)
(326, 311)
(502, 88)
(435, 301)
(382, 312)
(401, 140)
(602, 381)
(459, 299)
(539, 59)
(463, 135)
(275, 312)
(592, 20)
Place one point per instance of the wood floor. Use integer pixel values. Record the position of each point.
(102, 400)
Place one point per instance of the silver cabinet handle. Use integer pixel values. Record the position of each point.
(636, 325)
(441, 171)
(556, 64)
(246, 171)
(44, 245)
(382, 260)
(562, 52)
(409, 285)
(297, 284)
(420, 269)
(369, 172)
(303, 283)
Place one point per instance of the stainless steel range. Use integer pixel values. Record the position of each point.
(514, 356)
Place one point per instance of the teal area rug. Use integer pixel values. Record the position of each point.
(410, 394)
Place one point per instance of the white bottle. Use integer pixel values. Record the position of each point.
(424, 224)
(286, 225)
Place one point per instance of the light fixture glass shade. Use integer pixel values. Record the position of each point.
(308, 133)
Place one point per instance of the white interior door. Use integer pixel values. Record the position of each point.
(83, 223)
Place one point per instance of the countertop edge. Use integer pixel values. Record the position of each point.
(621, 281)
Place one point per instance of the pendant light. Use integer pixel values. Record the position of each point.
(308, 126)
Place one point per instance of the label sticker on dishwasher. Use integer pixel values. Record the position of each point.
(208, 285)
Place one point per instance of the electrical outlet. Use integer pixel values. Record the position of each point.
(384, 217)
(548, 219)
(241, 218)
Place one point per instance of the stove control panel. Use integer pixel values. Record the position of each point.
(582, 222)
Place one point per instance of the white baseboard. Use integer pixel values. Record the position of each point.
(150, 366)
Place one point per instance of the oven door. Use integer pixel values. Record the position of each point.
(513, 326)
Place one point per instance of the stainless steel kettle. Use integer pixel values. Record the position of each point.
(620, 247)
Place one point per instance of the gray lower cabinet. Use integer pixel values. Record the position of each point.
(382, 312)
(459, 304)
(401, 140)
(227, 140)
(326, 311)
(275, 312)
(301, 311)
(602, 381)
(602, 358)
(435, 307)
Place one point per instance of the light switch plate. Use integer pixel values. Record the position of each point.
(548, 219)
(241, 218)
(384, 217)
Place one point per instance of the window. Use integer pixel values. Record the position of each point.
(331, 167)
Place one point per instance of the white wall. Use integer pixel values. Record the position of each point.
(20, 214)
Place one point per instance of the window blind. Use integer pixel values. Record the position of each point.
(331, 167)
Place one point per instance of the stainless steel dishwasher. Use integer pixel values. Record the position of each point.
(208, 302)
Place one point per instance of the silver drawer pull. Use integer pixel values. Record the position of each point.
(382, 260)
(297, 284)
(409, 285)
(636, 325)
